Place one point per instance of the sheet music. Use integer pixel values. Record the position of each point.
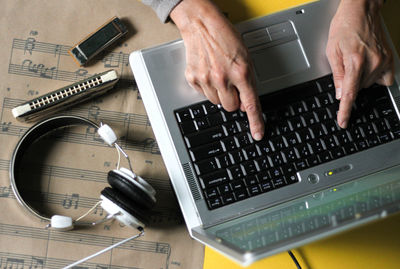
(68, 179)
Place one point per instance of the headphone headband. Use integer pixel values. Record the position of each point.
(35, 132)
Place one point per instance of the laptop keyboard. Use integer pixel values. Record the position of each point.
(300, 132)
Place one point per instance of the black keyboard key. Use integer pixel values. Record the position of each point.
(214, 179)
(197, 111)
(251, 180)
(188, 127)
(331, 126)
(228, 199)
(250, 152)
(229, 143)
(235, 172)
(304, 150)
(292, 139)
(310, 118)
(301, 164)
(343, 137)
(215, 202)
(278, 143)
(231, 128)
(243, 139)
(224, 189)
(236, 115)
(262, 162)
(211, 193)
(323, 115)
(215, 119)
(237, 184)
(266, 186)
(326, 83)
(254, 190)
(210, 108)
(330, 142)
(184, 115)
(362, 144)
(291, 178)
(325, 99)
(201, 123)
(305, 135)
(317, 146)
(224, 160)
(325, 156)
(204, 137)
(288, 169)
(385, 137)
(290, 154)
(237, 156)
(277, 159)
(299, 108)
(265, 147)
(249, 167)
(337, 153)
(206, 166)
(285, 127)
(318, 130)
(297, 122)
(312, 103)
(313, 161)
(350, 148)
(275, 172)
(241, 194)
(206, 151)
(264, 176)
(279, 182)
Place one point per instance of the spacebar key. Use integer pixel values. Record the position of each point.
(214, 179)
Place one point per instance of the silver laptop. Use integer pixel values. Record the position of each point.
(307, 179)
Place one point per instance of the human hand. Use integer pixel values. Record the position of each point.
(357, 52)
(217, 62)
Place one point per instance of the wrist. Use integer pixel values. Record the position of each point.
(368, 5)
(189, 12)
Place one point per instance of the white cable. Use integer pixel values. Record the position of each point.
(119, 156)
(87, 213)
(104, 250)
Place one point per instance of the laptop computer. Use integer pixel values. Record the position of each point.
(307, 179)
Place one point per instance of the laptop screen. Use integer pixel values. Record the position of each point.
(313, 216)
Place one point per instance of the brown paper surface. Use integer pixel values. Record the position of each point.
(65, 174)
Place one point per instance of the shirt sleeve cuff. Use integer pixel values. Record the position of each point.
(162, 7)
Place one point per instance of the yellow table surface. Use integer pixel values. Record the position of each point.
(375, 245)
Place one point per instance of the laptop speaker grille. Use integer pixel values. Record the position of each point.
(397, 101)
(192, 181)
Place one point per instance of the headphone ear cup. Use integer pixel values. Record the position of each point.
(126, 204)
(131, 190)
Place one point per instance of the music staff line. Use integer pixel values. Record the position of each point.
(148, 145)
(29, 68)
(31, 45)
(87, 175)
(14, 260)
(93, 113)
(82, 238)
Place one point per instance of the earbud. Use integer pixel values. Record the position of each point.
(119, 213)
(107, 134)
(61, 223)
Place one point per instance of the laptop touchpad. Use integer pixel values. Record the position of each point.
(278, 61)
(276, 51)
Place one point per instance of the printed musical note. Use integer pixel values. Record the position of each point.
(36, 263)
(29, 45)
(70, 200)
(13, 263)
(5, 191)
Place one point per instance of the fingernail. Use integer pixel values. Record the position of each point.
(257, 136)
(338, 93)
(343, 124)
